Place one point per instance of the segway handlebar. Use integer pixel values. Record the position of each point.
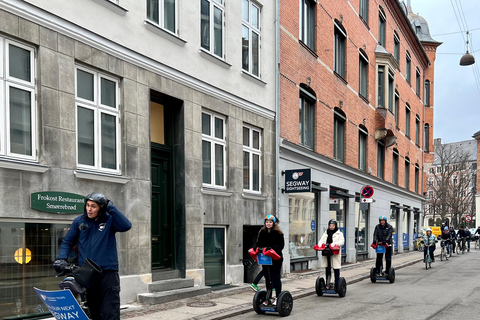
(271, 253)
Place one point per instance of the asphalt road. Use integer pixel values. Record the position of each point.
(449, 290)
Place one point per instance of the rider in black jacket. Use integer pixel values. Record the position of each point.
(447, 237)
(383, 236)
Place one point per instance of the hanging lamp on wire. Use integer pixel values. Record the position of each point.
(468, 58)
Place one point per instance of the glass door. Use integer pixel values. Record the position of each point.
(214, 256)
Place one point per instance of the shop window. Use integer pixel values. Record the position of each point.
(211, 26)
(251, 37)
(338, 212)
(252, 159)
(163, 13)
(361, 227)
(302, 216)
(307, 23)
(213, 150)
(18, 117)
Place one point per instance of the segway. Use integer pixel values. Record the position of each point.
(381, 275)
(322, 286)
(262, 300)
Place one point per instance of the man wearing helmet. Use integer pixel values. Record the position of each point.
(330, 244)
(94, 233)
(383, 236)
(447, 237)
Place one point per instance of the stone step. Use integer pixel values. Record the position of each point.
(165, 274)
(172, 295)
(172, 284)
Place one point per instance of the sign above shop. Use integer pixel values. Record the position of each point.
(298, 181)
(57, 202)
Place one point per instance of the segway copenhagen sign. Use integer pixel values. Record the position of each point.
(57, 202)
(62, 304)
(298, 181)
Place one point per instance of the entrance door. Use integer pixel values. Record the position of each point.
(162, 208)
(214, 256)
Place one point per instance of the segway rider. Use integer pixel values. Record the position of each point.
(331, 243)
(271, 237)
(428, 239)
(383, 236)
(94, 232)
(447, 237)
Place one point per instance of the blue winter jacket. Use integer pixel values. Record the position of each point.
(96, 238)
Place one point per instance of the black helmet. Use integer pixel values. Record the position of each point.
(100, 199)
(333, 221)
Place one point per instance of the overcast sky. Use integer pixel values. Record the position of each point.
(457, 93)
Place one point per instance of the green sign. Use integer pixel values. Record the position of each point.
(57, 202)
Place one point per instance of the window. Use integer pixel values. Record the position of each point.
(417, 83)
(426, 137)
(407, 173)
(307, 23)
(363, 72)
(339, 135)
(363, 12)
(362, 148)
(408, 64)
(213, 150)
(211, 33)
(396, 47)
(381, 87)
(426, 92)
(417, 172)
(250, 37)
(306, 118)
(430, 182)
(340, 37)
(397, 101)
(18, 115)
(252, 160)
(395, 167)
(380, 159)
(163, 13)
(430, 196)
(407, 120)
(417, 130)
(439, 169)
(382, 21)
(391, 90)
(98, 125)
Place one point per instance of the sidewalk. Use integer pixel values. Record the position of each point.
(230, 302)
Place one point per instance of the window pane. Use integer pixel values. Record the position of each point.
(19, 60)
(255, 17)
(256, 139)
(217, 32)
(86, 145)
(206, 162)
(218, 128)
(205, 25)
(245, 48)
(109, 141)
(219, 165)
(152, 10)
(381, 87)
(246, 137)
(255, 51)
(246, 170)
(206, 124)
(169, 15)
(390, 93)
(20, 121)
(85, 85)
(256, 172)
(109, 93)
(245, 9)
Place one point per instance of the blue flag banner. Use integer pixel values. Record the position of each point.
(62, 304)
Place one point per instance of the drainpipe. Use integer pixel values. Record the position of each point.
(277, 106)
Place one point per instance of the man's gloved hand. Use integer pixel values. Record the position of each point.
(59, 265)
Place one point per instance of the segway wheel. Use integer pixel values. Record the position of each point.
(319, 286)
(391, 275)
(342, 287)
(284, 303)
(373, 278)
(259, 298)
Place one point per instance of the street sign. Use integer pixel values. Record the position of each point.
(367, 192)
(366, 200)
(468, 218)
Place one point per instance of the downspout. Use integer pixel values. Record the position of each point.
(277, 105)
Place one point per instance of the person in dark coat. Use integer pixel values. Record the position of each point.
(382, 236)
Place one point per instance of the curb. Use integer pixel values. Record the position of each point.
(247, 307)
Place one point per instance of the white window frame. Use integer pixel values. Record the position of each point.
(98, 108)
(220, 4)
(213, 141)
(252, 29)
(251, 152)
(161, 20)
(7, 81)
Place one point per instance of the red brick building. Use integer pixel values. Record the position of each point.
(356, 107)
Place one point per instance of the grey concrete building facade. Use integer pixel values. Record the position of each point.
(104, 96)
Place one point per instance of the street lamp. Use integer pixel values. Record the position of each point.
(468, 58)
